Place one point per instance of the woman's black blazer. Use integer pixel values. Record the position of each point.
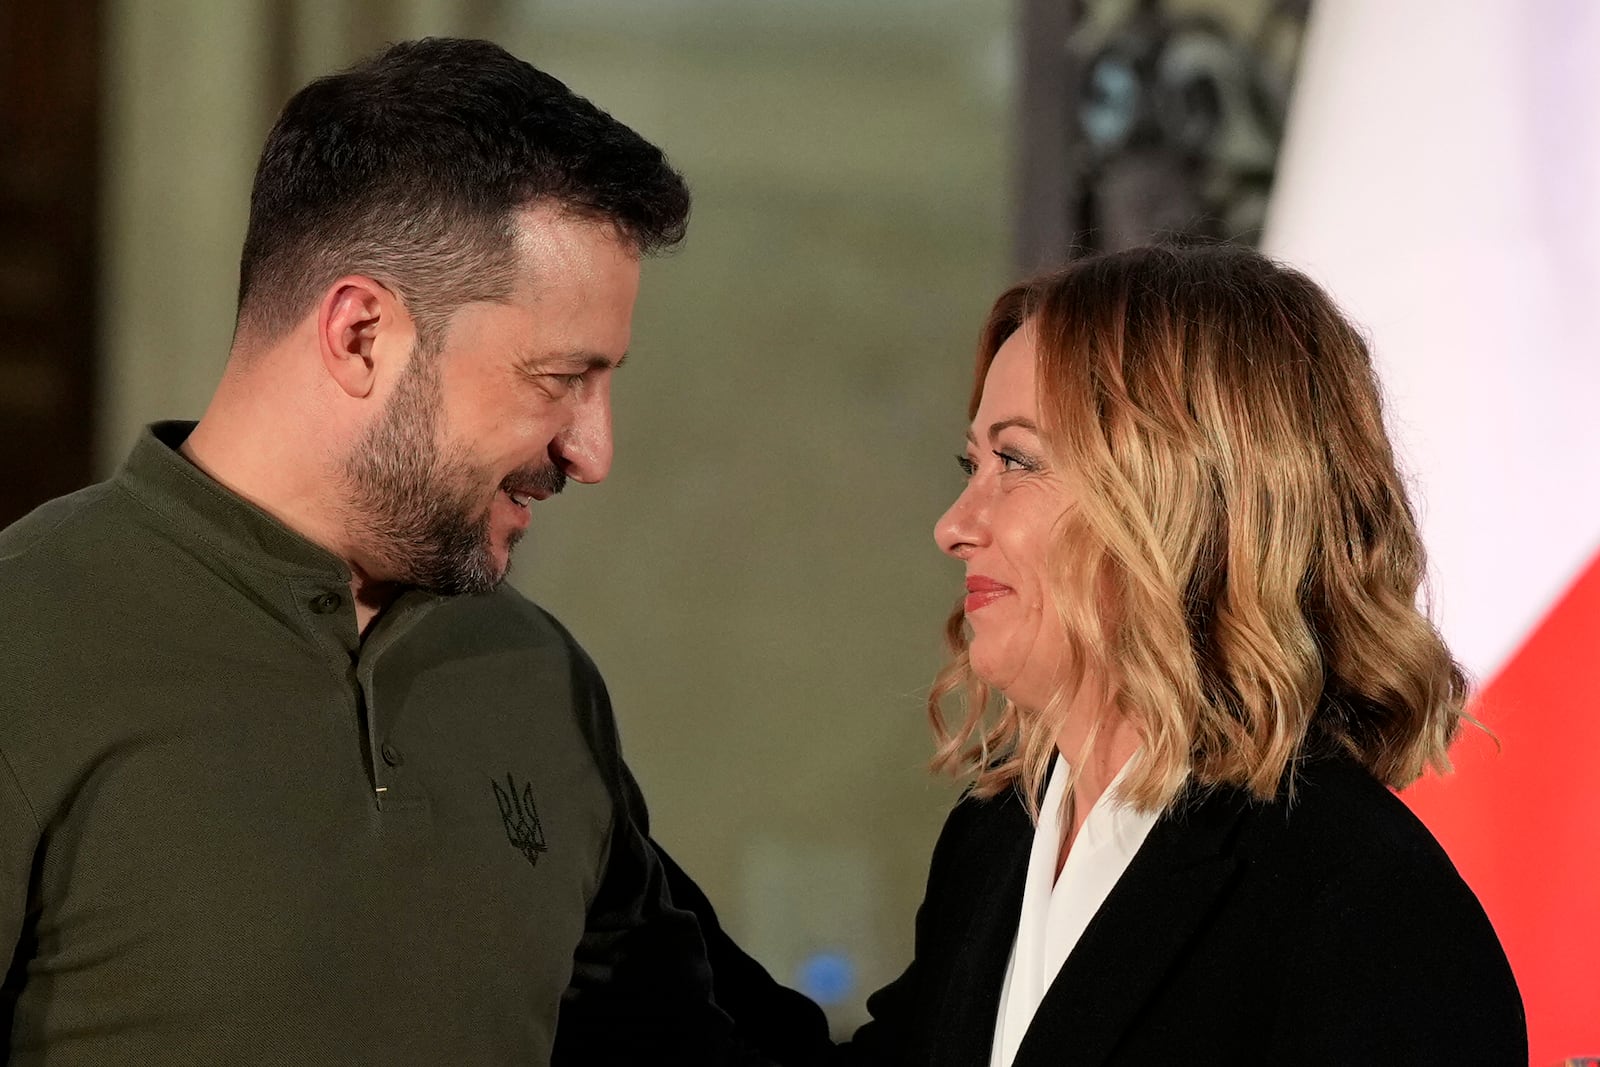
(1326, 929)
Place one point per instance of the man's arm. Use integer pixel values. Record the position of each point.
(782, 1024)
(756, 1020)
(642, 989)
(641, 985)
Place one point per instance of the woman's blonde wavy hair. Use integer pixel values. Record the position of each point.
(1240, 566)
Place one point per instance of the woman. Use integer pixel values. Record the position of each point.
(1191, 670)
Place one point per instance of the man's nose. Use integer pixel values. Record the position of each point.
(584, 448)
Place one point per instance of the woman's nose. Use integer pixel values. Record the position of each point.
(961, 528)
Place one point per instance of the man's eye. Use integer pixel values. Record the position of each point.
(968, 467)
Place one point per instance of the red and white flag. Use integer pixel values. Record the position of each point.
(1441, 177)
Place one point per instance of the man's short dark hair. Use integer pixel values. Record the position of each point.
(409, 167)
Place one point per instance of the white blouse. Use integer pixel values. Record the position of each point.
(1056, 910)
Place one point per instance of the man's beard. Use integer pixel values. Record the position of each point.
(414, 505)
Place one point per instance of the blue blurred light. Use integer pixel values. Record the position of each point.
(826, 977)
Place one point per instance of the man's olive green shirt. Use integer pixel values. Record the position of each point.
(234, 831)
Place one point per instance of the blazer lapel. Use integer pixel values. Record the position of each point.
(993, 883)
(1157, 906)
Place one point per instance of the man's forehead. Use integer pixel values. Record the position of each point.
(577, 276)
(548, 232)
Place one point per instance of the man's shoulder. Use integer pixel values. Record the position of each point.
(509, 619)
(505, 623)
(57, 527)
(507, 606)
(73, 546)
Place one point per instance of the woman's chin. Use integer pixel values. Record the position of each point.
(989, 672)
(1018, 690)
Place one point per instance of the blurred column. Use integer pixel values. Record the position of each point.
(1046, 90)
(186, 98)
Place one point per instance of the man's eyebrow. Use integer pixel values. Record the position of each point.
(1005, 424)
(565, 361)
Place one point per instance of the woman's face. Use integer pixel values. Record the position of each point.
(1001, 527)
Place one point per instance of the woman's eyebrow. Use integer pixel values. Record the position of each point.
(1005, 424)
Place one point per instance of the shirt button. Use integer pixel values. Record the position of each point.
(392, 756)
(326, 604)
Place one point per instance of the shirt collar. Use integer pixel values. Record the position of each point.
(204, 514)
(293, 579)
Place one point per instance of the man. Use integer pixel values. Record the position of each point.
(287, 775)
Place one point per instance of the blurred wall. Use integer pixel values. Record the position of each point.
(757, 579)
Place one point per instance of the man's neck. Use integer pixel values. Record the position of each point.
(268, 472)
(370, 598)
(263, 470)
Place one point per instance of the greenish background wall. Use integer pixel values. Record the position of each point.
(757, 579)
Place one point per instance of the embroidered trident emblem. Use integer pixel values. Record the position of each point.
(522, 819)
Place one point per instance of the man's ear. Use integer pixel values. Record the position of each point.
(361, 324)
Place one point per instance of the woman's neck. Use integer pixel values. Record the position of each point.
(1114, 746)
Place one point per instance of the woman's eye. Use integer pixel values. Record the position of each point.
(968, 467)
(1010, 462)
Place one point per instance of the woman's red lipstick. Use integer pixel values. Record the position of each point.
(981, 592)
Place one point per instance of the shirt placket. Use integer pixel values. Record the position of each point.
(394, 789)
